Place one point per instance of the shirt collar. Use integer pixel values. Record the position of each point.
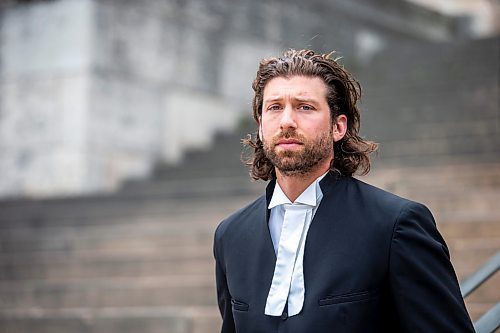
(311, 195)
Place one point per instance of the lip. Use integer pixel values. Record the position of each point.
(289, 142)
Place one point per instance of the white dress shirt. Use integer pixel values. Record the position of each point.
(292, 221)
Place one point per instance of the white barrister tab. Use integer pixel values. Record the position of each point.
(288, 249)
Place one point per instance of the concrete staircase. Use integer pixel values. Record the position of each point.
(120, 263)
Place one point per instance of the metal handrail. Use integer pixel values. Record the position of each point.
(490, 321)
(481, 275)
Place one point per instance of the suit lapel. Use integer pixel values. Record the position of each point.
(266, 233)
(321, 224)
(262, 269)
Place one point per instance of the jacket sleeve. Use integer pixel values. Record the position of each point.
(223, 295)
(423, 282)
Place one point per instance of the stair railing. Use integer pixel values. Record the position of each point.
(490, 321)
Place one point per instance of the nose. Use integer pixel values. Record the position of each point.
(288, 119)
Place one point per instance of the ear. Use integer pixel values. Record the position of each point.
(339, 127)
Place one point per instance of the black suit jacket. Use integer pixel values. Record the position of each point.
(373, 262)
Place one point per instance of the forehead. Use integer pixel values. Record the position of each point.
(295, 86)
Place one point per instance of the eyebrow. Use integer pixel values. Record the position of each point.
(305, 99)
(298, 99)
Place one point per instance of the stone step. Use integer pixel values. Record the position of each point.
(473, 216)
(196, 236)
(171, 319)
(84, 210)
(169, 260)
(181, 290)
(428, 140)
(449, 199)
(138, 230)
(122, 226)
(174, 252)
(452, 177)
(437, 97)
(466, 248)
(464, 230)
(223, 184)
(441, 63)
(217, 162)
(35, 218)
(72, 242)
(104, 269)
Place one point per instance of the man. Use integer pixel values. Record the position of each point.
(323, 251)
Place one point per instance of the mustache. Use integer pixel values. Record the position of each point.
(289, 134)
(286, 135)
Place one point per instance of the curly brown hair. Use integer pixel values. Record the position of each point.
(351, 153)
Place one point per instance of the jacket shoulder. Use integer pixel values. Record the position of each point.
(378, 196)
(380, 206)
(240, 217)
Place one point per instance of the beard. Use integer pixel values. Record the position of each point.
(302, 161)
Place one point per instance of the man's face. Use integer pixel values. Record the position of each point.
(296, 127)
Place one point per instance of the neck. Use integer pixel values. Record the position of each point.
(294, 185)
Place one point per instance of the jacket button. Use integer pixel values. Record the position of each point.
(284, 316)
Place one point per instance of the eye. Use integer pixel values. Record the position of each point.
(274, 107)
(306, 107)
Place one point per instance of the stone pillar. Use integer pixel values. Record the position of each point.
(44, 87)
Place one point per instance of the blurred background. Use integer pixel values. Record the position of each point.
(120, 131)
